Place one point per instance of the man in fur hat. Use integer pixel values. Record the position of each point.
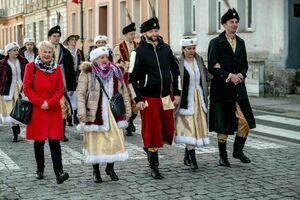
(121, 57)
(230, 110)
(153, 80)
(64, 58)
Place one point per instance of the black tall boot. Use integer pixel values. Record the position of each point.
(238, 146)
(147, 152)
(153, 156)
(111, 172)
(194, 164)
(16, 131)
(223, 155)
(97, 176)
(65, 139)
(39, 157)
(186, 159)
(69, 120)
(75, 118)
(131, 127)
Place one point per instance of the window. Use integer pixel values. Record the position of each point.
(122, 16)
(73, 23)
(193, 11)
(53, 22)
(137, 14)
(154, 3)
(190, 23)
(249, 15)
(90, 24)
(219, 16)
(41, 30)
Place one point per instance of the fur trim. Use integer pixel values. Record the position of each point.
(85, 67)
(94, 159)
(191, 140)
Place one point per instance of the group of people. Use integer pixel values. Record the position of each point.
(170, 93)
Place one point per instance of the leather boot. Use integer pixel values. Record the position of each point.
(147, 152)
(16, 131)
(65, 139)
(153, 156)
(61, 176)
(223, 155)
(238, 146)
(194, 164)
(186, 159)
(131, 124)
(75, 118)
(97, 176)
(39, 174)
(111, 172)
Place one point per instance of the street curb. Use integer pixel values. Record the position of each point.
(296, 141)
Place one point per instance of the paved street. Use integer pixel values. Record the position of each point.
(273, 174)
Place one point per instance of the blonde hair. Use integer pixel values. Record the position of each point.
(45, 44)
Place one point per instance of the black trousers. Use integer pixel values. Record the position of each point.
(55, 154)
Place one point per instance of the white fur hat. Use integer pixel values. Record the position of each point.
(100, 38)
(100, 51)
(10, 46)
(29, 40)
(188, 42)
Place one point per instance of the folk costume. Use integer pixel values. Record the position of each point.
(103, 137)
(64, 59)
(230, 110)
(11, 80)
(191, 124)
(101, 38)
(78, 58)
(121, 57)
(30, 56)
(153, 72)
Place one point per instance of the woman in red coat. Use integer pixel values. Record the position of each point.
(46, 121)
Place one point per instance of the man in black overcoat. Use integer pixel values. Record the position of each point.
(230, 110)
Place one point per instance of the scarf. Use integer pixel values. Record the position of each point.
(105, 73)
(49, 69)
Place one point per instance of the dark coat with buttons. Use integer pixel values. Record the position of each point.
(223, 95)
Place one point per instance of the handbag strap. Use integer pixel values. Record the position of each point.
(102, 87)
(32, 83)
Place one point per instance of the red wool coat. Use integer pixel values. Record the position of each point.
(44, 124)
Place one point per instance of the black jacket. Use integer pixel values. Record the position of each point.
(220, 51)
(153, 71)
(69, 71)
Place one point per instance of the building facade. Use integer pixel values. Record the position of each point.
(41, 15)
(11, 22)
(269, 28)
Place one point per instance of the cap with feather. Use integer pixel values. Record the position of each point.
(150, 23)
(230, 14)
(131, 26)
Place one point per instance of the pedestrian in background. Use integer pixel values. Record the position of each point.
(103, 140)
(29, 50)
(191, 124)
(12, 69)
(46, 123)
(230, 110)
(101, 41)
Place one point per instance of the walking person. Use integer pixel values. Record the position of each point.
(101, 41)
(63, 58)
(103, 140)
(29, 50)
(43, 85)
(121, 57)
(12, 68)
(153, 72)
(78, 58)
(230, 110)
(191, 124)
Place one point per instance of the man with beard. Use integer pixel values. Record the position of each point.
(64, 58)
(121, 57)
(153, 80)
(230, 110)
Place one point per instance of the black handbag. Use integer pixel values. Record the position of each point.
(116, 102)
(23, 109)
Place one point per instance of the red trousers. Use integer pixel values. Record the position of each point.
(157, 124)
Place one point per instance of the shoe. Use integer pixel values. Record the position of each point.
(238, 146)
(223, 161)
(39, 174)
(61, 177)
(128, 132)
(153, 156)
(186, 159)
(96, 173)
(65, 139)
(75, 118)
(111, 172)
(131, 126)
(194, 164)
(16, 131)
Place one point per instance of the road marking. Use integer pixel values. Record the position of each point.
(6, 162)
(277, 131)
(281, 120)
